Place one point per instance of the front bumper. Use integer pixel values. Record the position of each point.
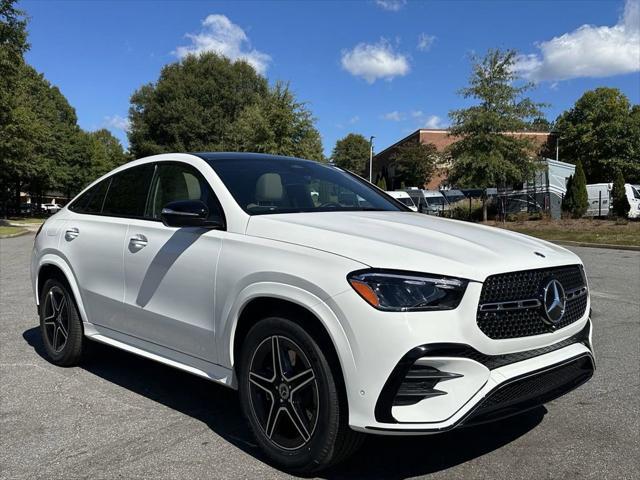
(514, 383)
(384, 350)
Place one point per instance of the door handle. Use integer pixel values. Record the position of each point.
(138, 241)
(71, 233)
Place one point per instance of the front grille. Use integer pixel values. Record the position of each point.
(533, 390)
(510, 304)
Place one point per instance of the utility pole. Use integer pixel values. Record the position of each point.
(371, 158)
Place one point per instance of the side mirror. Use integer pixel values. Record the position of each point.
(187, 213)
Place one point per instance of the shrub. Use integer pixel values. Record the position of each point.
(462, 210)
(576, 200)
(619, 202)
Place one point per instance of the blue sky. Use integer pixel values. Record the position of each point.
(376, 67)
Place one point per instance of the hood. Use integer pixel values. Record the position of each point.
(413, 241)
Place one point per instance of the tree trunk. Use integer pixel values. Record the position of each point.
(17, 198)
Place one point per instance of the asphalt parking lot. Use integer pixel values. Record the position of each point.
(120, 416)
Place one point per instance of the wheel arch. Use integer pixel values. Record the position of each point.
(307, 311)
(264, 306)
(52, 266)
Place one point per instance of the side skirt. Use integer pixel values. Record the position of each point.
(164, 355)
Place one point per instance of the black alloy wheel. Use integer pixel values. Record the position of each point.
(60, 324)
(293, 397)
(56, 318)
(283, 392)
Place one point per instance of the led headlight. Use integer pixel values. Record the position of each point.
(407, 291)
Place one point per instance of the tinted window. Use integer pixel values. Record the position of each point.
(179, 181)
(284, 185)
(435, 200)
(80, 203)
(94, 205)
(91, 200)
(127, 194)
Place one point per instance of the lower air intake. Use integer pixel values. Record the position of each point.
(533, 390)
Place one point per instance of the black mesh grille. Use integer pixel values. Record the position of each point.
(533, 390)
(526, 285)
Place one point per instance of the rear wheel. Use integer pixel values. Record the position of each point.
(60, 324)
(291, 398)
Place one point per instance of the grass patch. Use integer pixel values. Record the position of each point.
(33, 220)
(582, 230)
(10, 231)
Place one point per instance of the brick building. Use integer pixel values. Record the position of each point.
(382, 166)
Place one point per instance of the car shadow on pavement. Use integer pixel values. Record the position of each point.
(218, 407)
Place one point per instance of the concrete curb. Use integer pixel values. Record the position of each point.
(569, 243)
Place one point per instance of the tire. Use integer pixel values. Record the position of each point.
(60, 324)
(320, 437)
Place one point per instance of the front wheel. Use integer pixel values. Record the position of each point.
(291, 398)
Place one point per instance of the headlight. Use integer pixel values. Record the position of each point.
(407, 291)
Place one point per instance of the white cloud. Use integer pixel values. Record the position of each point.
(374, 61)
(354, 119)
(433, 121)
(116, 122)
(589, 51)
(394, 116)
(221, 35)
(417, 114)
(425, 41)
(391, 5)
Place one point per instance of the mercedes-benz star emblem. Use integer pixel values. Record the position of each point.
(554, 301)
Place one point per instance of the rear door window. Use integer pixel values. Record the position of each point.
(127, 194)
(91, 201)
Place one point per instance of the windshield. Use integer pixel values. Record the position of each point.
(435, 200)
(454, 196)
(263, 185)
(407, 201)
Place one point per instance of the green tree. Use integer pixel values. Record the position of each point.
(619, 202)
(414, 163)
(41, 145)
(486, 156)
(13, 45)
(207, 102)
(601, 127)
(382, 183)
(540, 124)
(277, 124)
(193, 105)
(105, 151)
(576, 200)
(567, 200)
(352, 153)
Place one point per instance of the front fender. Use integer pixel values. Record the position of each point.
(293, 294)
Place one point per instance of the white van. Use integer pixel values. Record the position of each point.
(599, 195)
(431, 202)
(437, 201)
(403, 197)
(633, 195)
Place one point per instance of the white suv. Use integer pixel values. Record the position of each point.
(331, 307)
